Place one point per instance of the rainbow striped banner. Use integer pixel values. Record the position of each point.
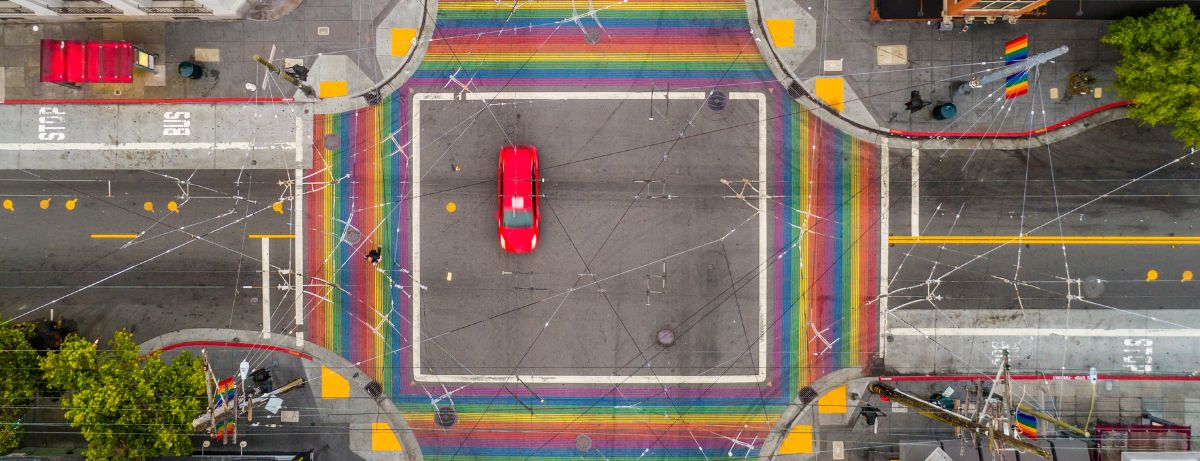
(1016, 51)
(822, 315)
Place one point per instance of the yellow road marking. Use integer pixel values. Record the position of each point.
(148, 206)
(1044, 240)
(831, 90)
(272, 236)
(1151, 275)
(8, 205)
(782, 32)
(332, 89)
(173, 207)
(114, 236)
(44, 204)
(402, 40)
(70, 205)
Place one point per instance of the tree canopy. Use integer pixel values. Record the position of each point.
(127, 407)
(18, 383)
(1160, 69)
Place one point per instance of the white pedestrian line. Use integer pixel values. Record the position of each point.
(884, 223)
(420, 376)
(266, 287)
(916, 190)
(1095, 332)
(69, 146)
(298, 249)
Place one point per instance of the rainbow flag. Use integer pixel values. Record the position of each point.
(1026, 424)
(224, 391)
(1016, 51)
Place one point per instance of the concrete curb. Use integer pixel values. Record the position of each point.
(320, 356)
(793, 84)
(798, 408)
(397, 78)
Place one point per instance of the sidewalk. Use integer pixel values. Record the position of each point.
(867, 70)
(350, 423)
(350, 46)
(832, 416)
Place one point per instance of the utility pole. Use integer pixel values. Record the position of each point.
(937, 413)
(275, 70)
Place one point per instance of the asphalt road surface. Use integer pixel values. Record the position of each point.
(587, 304)
(1119, 295)
(183, 269)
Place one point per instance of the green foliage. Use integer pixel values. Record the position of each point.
(18, 382)
(1160, 68)
(128, 407)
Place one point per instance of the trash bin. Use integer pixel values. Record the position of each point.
(188, 69)
(944, 111)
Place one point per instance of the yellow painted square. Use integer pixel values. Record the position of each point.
(832, 91)
(833, 402)
(798, 441)
(333, 385)
(332, 89)
(783, 32)
(402, 40)
(383, 439)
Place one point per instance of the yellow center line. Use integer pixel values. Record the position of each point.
(272, 236)
(114, 236)
(1044, 240)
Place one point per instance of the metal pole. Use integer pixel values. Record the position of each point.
(275, 70)
(937, 413)
(1040, 58)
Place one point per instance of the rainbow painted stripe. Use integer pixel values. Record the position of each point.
(825, 233)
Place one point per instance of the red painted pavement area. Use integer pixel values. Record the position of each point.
(147, 101)
(267, 347)
(1043, 378)
(1008, 134)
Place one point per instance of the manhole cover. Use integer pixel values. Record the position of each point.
(583, 443)
(253, 300)
(351, 236)
(717, 100)
(446, 417)
(665, 337)
(333, 142)
(1093, 287)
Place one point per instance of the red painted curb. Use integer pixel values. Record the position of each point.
(148, 101)
(1008, 134)
(1042, 378)
(231, 344)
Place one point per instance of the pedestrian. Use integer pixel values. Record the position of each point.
(374, 255)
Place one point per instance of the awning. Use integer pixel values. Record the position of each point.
(78, 61)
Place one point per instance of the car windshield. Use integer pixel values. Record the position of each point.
(518, 218)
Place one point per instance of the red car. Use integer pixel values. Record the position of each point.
(517, 211)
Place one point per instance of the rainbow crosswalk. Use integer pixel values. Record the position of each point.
(825, 232)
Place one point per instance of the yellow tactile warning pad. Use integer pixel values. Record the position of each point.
(798, 441)
(332, 89)
(833, 402)
(333, 385)
(383, 439)
(832, 91)
(783, 32)
(402, 40)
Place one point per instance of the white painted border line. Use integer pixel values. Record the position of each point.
(266, 287)
(916, 190)
(298, 247)
(168, 146)
(419, 376)
(1098, 332)
(884, 223)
